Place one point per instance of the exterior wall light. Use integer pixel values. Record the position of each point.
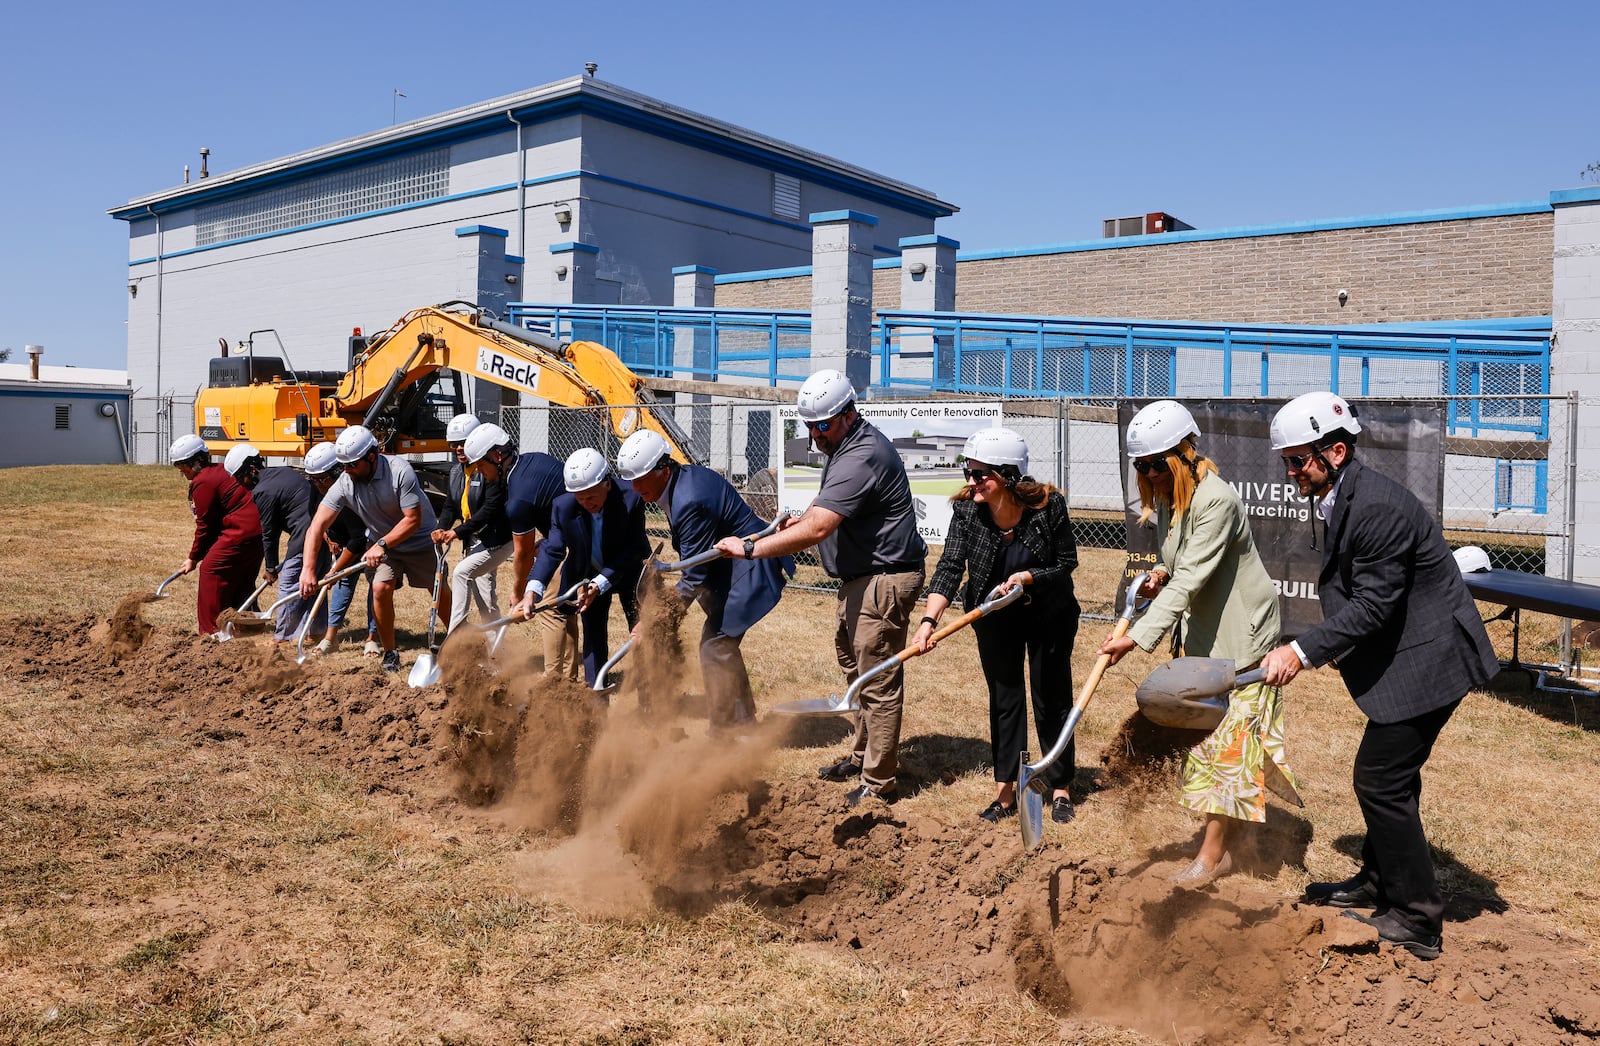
(917, 268)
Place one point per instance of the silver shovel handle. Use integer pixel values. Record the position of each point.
(711, 555)
(161, 591)
(498, 625)
(622, 652)
(324, 586)
(994, 601)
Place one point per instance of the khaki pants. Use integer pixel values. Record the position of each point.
(874, 616)
(559, 634)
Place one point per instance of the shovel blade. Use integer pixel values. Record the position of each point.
(838, 704)
(1030, 806)
(425, 672)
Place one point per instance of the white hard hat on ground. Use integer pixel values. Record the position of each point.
(186, 447)
(354, 443)
(1471, 559)
(482, 439)
(998, 446)
(824, 395)
(584, 469)
(321, 459)
(239, 456)
(1307, 420)
(640, 453)
(460, 427)
(1158, 427)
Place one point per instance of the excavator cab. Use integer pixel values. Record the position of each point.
(420, 413)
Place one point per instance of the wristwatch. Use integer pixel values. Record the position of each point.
(383, 543)
(749, 548)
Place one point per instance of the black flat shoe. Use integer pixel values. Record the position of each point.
(1354, 892)
(1423, 945)
(995, 812)
(846, 769)
(1062, 810)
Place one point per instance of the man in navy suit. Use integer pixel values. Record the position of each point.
(597, 528)
(702, 507)
(1406, 636)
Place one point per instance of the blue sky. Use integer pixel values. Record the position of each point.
(1038, 120)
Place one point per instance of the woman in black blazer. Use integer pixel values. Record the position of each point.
(1007, 530)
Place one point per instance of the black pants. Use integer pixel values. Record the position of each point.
(728, 698)
(1388, 784)
(596, 641)
(1044, 638)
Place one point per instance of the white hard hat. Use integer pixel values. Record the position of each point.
(1158, 427)
(824, 395)
(354, 443)
(586, 468)
(1307, 420)
(1471, 559)
(998, 447)
(460, 427)
(321, 459)
(186, 447)
(641, 453)
(482, 439)
(239, 456)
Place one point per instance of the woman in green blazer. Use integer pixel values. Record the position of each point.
(1212, 592)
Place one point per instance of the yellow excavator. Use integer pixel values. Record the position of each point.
(406, 383)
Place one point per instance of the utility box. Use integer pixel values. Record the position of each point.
(1143, 225)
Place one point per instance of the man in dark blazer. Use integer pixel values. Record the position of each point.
(1405, 634)
(597, 528)
(702, 507)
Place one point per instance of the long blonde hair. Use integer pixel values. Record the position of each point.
(1188, 468)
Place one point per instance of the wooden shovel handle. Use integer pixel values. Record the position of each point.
(955, 626)
(1100, 665)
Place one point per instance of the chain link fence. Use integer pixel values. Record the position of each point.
(1506, 488)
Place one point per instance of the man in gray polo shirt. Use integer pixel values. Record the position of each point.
(384, 492)
(864, 525)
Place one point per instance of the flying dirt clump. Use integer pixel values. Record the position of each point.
(128, 630)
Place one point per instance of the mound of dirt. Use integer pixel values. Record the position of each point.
(644, 817)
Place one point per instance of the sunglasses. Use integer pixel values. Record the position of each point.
(977, 475)
(1148, 466)
(821, 426)
(1296, 462)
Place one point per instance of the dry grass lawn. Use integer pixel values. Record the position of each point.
(155, 887)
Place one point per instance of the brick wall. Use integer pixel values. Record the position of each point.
(1469, 268)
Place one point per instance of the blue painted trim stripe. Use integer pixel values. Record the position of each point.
(887, 263)
(886, 250)
(483, 230)
(928, 241)
(765, 274)
(684, 270)
(843, 216)
(573, 246)
(548, 178)
(334, 221)
(1251, 231)
(111, 393)
(143, 261)
(1588, 194)
(515, 259)
(669, 194)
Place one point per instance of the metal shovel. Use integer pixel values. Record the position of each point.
(848, 703)
(426, 671)
(161, 590)
(1031, 788)
(1191, 693)
(324, 586)
(710, 555)
(265, 615)
(498, 625)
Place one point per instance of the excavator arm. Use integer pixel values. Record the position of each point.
(390, 378)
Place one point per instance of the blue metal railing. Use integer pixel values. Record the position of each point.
(1001, 355)
(710, 344)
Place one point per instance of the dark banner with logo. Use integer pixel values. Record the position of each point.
(1404, 439)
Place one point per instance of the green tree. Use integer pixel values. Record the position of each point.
(5, 354)
(1592, 172)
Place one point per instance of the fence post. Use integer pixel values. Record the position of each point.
(1227, 363)
(1568, 568)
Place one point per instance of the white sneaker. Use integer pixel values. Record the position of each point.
(372, 649)
(327, 646)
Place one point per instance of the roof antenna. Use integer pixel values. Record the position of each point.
(590, 68)
(204, 153)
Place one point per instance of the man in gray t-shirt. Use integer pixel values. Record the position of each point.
(384, 493)
(864, 525)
